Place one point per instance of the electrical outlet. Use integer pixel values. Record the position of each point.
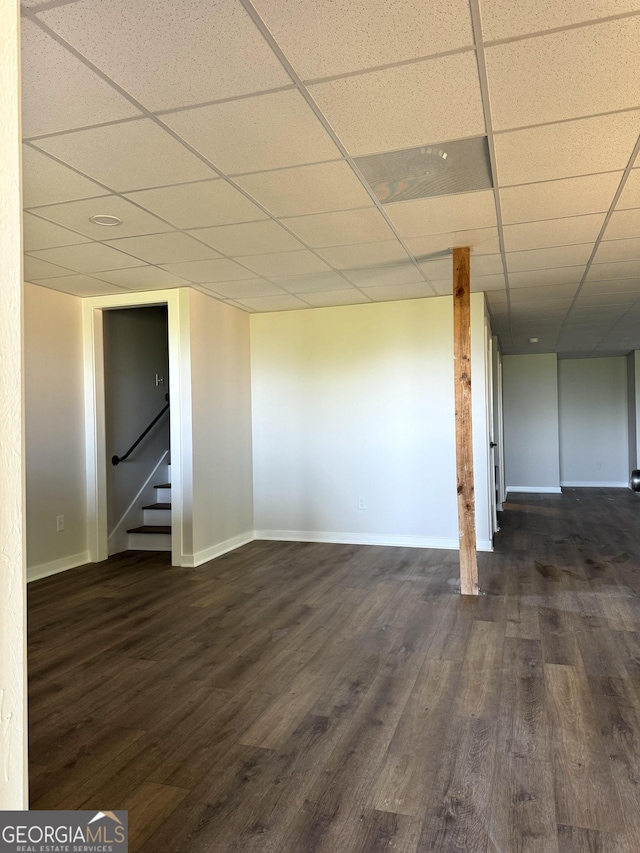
(59, 523)
(362, 503)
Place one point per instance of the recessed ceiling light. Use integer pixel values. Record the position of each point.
(105, 219)
(533, 340)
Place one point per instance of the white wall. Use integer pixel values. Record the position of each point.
(357, 402)
(55, 451)
(221, 423)
(135, 349)
(594, 430)
(531, 441)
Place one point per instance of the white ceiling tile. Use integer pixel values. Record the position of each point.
(203, 272)
(48, 106)
(558, 256)
(482, 241)
(44, 181)
(538, 80)
(273, 303)
(147, 277)
(482, 283)
(285, 263)
(36, 268)
(503, 18)
(547, 277)
(452, 213)
(127, 156)
(387, 274)
(439, 269)
(41, 234)
(215, 50)
(246, 289)
(618, 250)
(553, 232)
(172, 247)
(623, 285)
(341, 228)
(482, 265)
(524, 294)
(536, 306)
(630, 195)
(330, 37)
(76, 215)
(364, 254)
(555, 199)
(88, 258)
(334, 298)
(310, 283)
(567, 149)
(605, 299)
(199, 204)
(623, 223)
(263, 132)
(378, 111)
(621, 269)
(388, 293)
(307, 189)
(249, 238)
(79, 285)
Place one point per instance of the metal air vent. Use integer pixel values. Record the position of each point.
(443, 168)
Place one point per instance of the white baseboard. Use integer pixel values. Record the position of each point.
(192, 561)
(44, 570)
(601, 485)
(537, 490)
(367, 539)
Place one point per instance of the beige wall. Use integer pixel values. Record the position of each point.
(55, 454)
(221, 424)
(357, 402)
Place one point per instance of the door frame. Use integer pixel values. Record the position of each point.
(177, 302)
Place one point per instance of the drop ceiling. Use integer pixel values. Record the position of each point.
(226, 135)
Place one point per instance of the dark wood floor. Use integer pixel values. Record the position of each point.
(306, 697)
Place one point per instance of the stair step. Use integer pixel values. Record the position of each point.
(158, 506)
(148, 528)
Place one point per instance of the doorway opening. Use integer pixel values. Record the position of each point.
(110, 337)
(137, 428)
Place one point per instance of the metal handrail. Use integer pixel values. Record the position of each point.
(115, 460)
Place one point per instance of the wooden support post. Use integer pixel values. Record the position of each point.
(464, 434)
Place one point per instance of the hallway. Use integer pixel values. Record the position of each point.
(300, 697)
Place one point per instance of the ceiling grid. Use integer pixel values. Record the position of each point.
(234, 166)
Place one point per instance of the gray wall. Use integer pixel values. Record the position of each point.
(135, 348)
(531, 443)
(594, 429)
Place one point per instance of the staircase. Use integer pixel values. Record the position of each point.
(154, 534)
